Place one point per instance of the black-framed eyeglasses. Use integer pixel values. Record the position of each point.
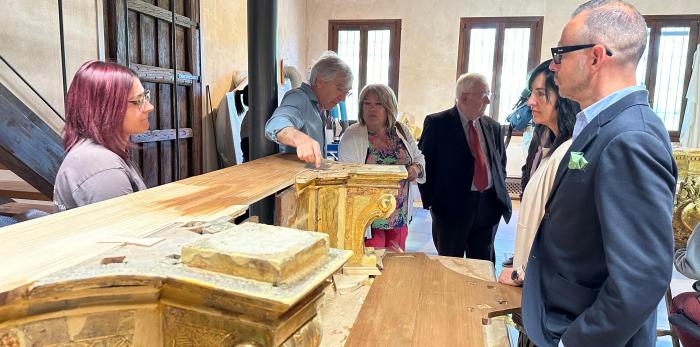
(142, 99)
(558, 51)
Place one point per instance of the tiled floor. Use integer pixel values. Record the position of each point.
(420, 240)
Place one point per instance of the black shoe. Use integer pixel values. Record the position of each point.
(508, 262)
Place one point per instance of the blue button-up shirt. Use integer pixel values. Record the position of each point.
(586, 115)
(299, 109)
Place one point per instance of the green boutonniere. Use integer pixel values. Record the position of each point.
(577, 161)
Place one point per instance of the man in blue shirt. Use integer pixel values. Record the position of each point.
(297, 124)
(603, 254)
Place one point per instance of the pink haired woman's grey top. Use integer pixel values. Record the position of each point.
(91, 173)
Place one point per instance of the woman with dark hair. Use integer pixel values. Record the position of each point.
(543, 138)
(554, 118)
(379, 138)
(106, 104)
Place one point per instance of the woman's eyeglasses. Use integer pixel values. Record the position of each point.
(558, 51)
(142, 99)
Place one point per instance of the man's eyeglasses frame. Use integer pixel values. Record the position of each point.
(557, 52)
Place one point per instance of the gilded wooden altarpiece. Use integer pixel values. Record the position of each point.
(341, 200)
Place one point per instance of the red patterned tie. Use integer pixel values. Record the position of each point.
(481, 178)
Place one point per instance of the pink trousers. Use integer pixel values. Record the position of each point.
(382, 238)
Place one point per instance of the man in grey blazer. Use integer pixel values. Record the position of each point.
(603, 255)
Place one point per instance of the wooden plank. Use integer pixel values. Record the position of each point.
(27, 145)
(167, 174)
(147, 31)
(160, 13)
(27, 174)
(195, 91)
(164, 41)
(13, 208)
(453, 306)
(134, 38)
(12, 186)
(184, 144)
(163, 75)
(161, 135)
(165, 112)
(164, 4)
(340, 310)
(182, 49)
(285, 207)
(149, 169)
(180, 8)
(114, 30)
(397, 287)
(48, 244)
(442, 312)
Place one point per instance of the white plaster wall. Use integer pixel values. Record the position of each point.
(430, 40)
(224, 32)
(430, 36)
(224, 35)
(292, 32)
(29, 40)
(558, 12)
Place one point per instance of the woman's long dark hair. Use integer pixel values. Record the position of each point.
(566, 109)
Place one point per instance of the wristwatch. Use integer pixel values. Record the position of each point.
(514, 276)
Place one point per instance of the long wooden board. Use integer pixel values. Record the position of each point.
(12, 186)
(418, 301)
(42, 246)
(13, 208)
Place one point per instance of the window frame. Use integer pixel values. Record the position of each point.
(655, 23)
(394, 27)
(534, 23)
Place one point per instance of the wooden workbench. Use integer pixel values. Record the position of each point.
(39, 248)
(36, 248)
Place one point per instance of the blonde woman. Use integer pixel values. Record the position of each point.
(379, 139)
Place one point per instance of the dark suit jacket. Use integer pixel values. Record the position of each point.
(603, 254)
(449, 165)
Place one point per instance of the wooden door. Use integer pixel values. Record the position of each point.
(172, 148)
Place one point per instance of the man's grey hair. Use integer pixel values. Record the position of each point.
(326, 68)
(616, 25)
(466, 81)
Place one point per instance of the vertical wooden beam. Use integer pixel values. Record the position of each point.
(195, 104)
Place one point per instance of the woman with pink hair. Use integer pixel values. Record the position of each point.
(106, 104)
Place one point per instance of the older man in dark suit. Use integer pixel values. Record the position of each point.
(603, 255)
(465, 173)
